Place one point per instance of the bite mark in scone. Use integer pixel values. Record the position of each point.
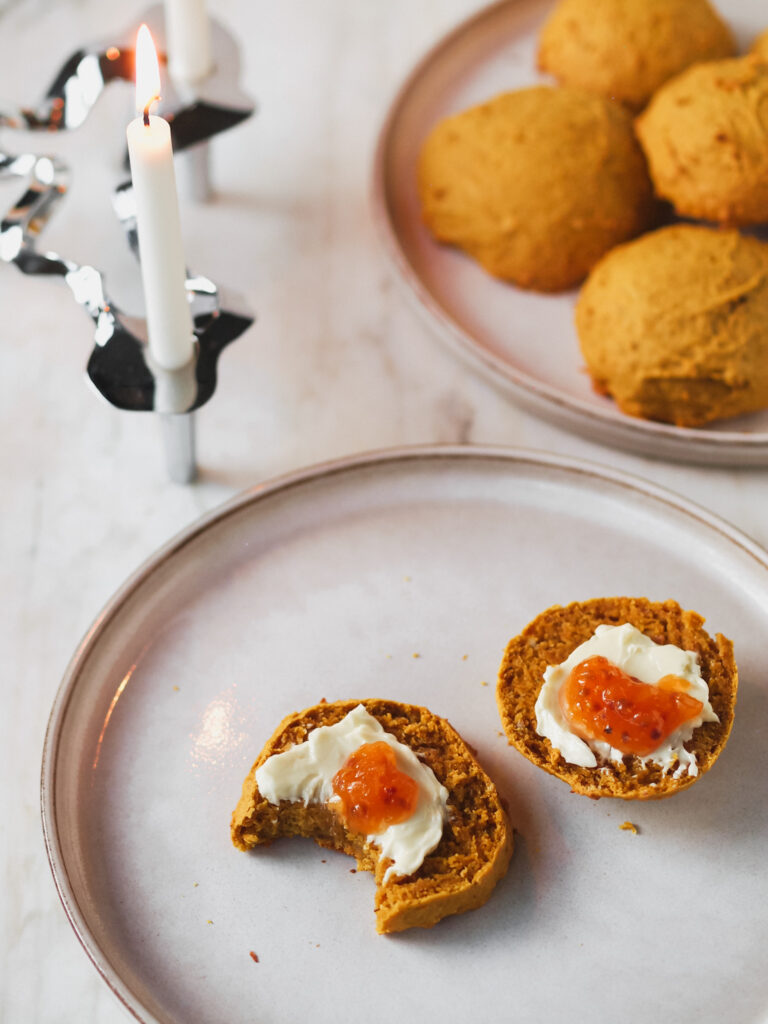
(460, 864)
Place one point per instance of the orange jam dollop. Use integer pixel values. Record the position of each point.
(372, 790)
(600, 701)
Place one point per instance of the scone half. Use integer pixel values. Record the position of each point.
(476, 844)
(556, 633)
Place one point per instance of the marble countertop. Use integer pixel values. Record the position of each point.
(339, 362)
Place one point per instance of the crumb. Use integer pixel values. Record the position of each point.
(322, 701)
(499, 733)
(176, 688)
(406, 579)
(323, 860)
(209, 921)
(629, 826)
(416, 654)
(483, 682)
(389, 655)
(253, 957)
(195, 885)
(317, 945)
(464, 657)
(353, 871)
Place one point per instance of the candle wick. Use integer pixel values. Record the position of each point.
(154, 99)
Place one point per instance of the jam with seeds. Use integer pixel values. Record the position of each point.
(372, 790)
(600, 701)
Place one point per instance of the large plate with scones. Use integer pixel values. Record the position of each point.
(537, 232)
(389, 626)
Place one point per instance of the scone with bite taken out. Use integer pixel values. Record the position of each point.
(620, 696)
(393, 786)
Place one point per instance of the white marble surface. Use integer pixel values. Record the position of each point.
(339, 362)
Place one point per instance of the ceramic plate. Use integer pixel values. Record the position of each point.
(403, 575)
(526, 342)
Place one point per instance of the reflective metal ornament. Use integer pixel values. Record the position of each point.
(120, 366)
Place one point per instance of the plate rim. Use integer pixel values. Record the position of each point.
(265, 491)
(684, 444)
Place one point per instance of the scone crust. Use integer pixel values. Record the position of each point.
(477, 841)
(760, 46)
(536, 184)
(626, 49)
(705, 135)
(674, 325)
(554, 634)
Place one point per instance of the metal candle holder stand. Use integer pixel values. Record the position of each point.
(120, 366)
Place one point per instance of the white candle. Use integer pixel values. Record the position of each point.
(163, 269)
(188, 36)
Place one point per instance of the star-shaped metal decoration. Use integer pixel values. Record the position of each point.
(120, 366)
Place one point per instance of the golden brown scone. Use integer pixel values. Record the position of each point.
(536, 185)
(554, 634)
(760, 46)
(674, 326)
(626, 49)
(705, 134)
(461, 871)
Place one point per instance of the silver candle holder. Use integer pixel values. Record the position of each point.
(120, 366)
(196, 111)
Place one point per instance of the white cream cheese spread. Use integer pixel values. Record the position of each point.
(304, 773)
(648, 662)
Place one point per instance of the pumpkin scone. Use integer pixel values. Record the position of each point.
(705, 134)
(395, 787)
(760, 46)
(626, 49)
(619, 696)
(536, 185)
(674, 326)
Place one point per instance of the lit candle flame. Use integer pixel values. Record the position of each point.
(147, 73)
